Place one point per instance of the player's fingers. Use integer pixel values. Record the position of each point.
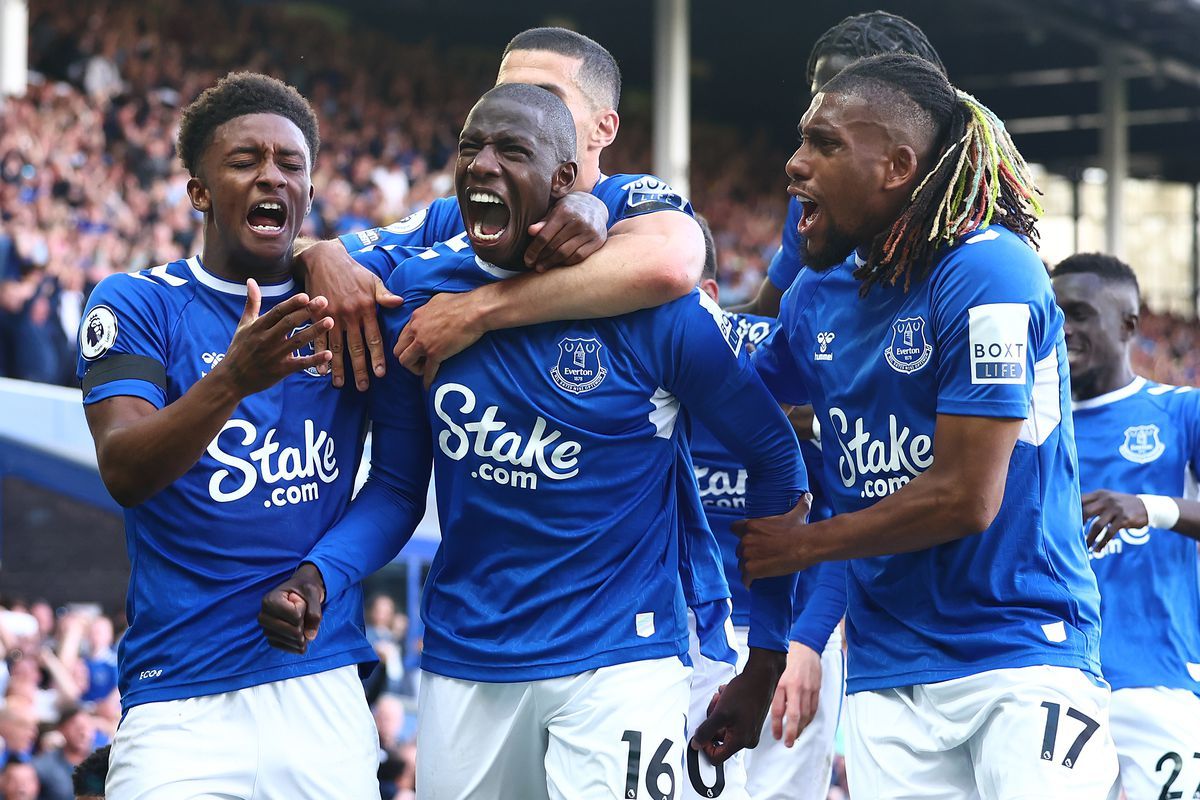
(585, 251)
(385, 298)
(738, 526)
(312, 614)
(430, 371)
(778, 709)
(1103, 529)
(287, 645)
(253, 303)
(295, 304)
(711, 730)
(321, 342)
(538, 247)
(375, 348)
(309, 335)
(568, 252)
(297, 318)
(552, 254)
(412, 358)
(358, 357)
(336, 342)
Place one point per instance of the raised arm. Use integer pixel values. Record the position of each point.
(141, 449)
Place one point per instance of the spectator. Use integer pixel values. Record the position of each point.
(54, 767)
(18, 732)
(19, 781)
(88, 778)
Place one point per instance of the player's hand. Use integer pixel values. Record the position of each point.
(442, 328)
(291, 612)
(735, 717)
(353, 292)
(1109, 513)
(773, 546)
(797, 694)
(262, 351)
(574, 228)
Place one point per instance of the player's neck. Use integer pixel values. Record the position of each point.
(219, 261)
(1104, 381)
(589, 176)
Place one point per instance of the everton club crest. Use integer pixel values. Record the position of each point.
(580, 367)
(1142, 444)
(909, 349)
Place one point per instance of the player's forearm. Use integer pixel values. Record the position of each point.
(374, 530)
(1189, 518)
(823, 608)
(771, 611)
(934, 508)
(145, 455)
(630, 272)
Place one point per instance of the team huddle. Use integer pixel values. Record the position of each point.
(654, 513)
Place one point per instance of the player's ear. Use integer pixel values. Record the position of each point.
(312, 192)
(563, 179)
(1129, 325)
(902, 167)
(605, 131)
(198, 194)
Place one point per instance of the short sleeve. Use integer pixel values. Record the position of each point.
(993, 317)
(630, 196)
(123, 341)
(424, 228)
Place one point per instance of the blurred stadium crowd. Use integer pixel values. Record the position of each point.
(89, 185)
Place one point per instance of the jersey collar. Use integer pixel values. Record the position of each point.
(494, 271)
(1128, 390)
(229, 287)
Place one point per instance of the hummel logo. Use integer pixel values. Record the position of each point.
(824, 338)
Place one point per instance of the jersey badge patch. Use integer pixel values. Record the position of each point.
(1142, 444)
(824, 339)
(653, 194)
(409, 223)
(909, 350)
(999, 335)
(97, 333)
(580, 367)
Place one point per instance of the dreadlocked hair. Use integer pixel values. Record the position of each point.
(872, 34)
(979, 177)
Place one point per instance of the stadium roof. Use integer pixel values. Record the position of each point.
(1038, 63)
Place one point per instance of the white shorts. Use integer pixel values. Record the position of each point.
(805, 770)
(705, 779)
(605, 733)
(307, 738)
(1157, 731)
(1007, 734)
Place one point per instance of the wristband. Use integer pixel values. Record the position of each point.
(1161, 512)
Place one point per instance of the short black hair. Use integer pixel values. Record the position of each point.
(599, 75)
(873, 34)
(1109, 269)
(558, 126)
(709, 272)
(88, 777)
(236, 95)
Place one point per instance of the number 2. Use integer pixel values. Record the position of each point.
(1090, 726)
(1166, 793)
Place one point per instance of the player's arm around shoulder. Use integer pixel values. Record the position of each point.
(143, 442)
(645, 261)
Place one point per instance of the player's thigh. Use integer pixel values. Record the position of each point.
(620, 731)
(317, 738)
(705, 779)
(1157, 733)
(1044, 733)
(899, 748)
(201, 748)
(805, 770)
(479, 741)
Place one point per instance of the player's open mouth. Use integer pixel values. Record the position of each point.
(488, 214)
(811, 210)
(267, 217)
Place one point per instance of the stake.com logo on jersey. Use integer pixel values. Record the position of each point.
(300, 470)
(554, 457)
(899, 458)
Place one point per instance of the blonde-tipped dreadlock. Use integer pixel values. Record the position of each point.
(979, 177)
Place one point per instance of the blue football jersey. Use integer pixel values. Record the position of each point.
(785, 266)
(1145, 439)
(205, 550)
(555, 449)
(626, 196)
(978, 335)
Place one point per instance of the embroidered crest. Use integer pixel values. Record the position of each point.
(909, 349)
(1142, 444)
(580, 367)
(97, 333)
